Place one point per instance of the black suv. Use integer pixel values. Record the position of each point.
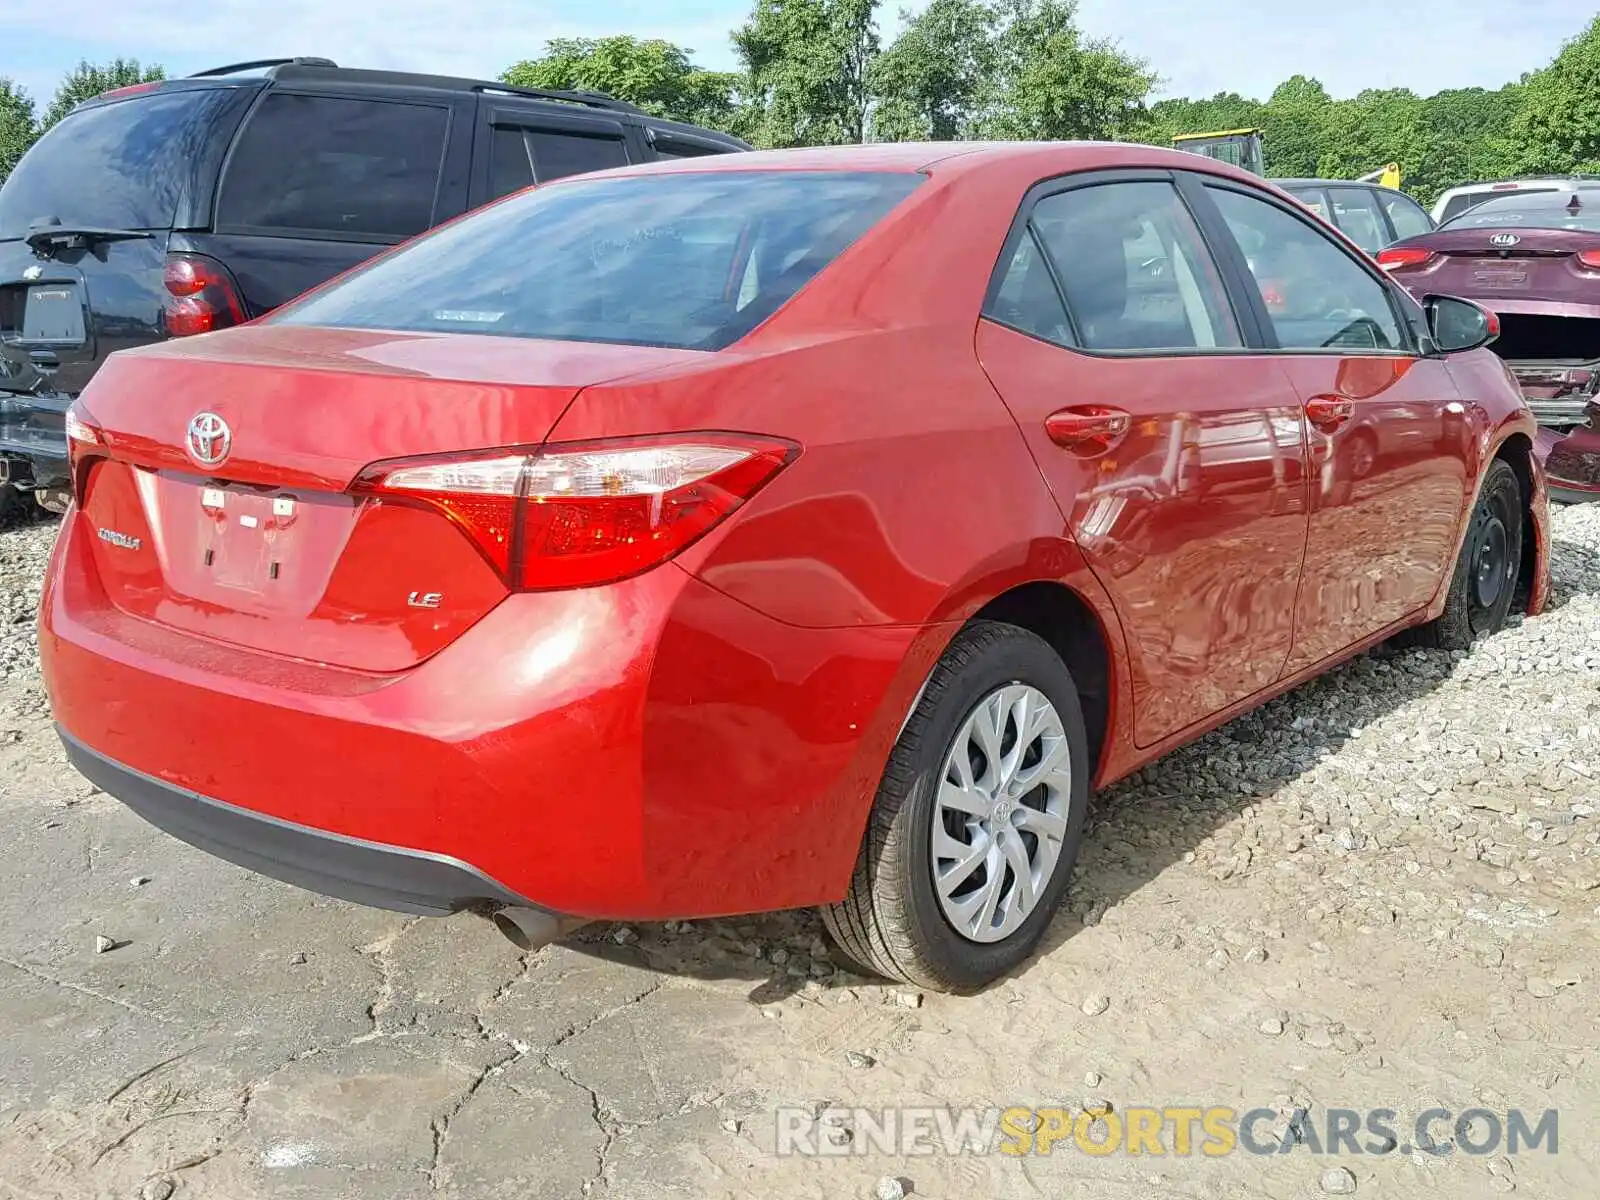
(177, 208)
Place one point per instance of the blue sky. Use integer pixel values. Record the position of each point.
(1199, 46)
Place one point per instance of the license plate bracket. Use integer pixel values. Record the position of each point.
(1501, 277)
(52, 315)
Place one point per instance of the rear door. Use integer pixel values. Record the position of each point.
(518, 145)
(1359, 216)
(1391, 447)
(319, 180)
(99, 195)
(1174, 448)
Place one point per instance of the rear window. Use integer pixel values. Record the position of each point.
(1464, 201)
(123, 165)
(692, 261)
(1521, 210)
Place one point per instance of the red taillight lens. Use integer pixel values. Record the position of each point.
(1400, 257)
(581, 514)
(1590, 259)
(204, 296)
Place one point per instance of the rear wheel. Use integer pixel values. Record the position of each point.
(1485, 578)
(977, 821)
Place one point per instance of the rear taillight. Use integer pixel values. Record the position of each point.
(1590, 259)
(580, 514)
(83, 442)
(202, 296)
(1401, 257)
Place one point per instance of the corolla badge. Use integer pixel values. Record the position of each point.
(1504, 239)
(209, 439)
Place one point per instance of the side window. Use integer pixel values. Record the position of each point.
(1316, 295)
(1356, 213)
(510, 164)
(1407, 215)
(331, 165)
(1136, 273)
(556, 155)
(1313, 199)
(1027, 298)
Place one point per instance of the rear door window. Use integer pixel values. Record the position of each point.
(524, 154)
(1135, 271)
(1355, 212)
(123, 165)
(1406, 214)
(693, 261)
(333, 165)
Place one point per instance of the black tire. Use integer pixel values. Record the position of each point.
(1484, 582)
(891, 920)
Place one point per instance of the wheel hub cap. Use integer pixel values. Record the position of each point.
(1001, 812)
(1491, 562)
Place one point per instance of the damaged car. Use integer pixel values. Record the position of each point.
(1532, 258)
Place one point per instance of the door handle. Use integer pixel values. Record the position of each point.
(1088, 429)
(1327, 413)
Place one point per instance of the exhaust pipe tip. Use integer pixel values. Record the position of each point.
(530, 928)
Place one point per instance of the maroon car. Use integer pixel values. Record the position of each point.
(1534, 259)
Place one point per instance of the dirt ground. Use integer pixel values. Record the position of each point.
(1379, 892)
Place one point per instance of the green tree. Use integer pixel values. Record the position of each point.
(1052, 82)
(88, 80)
(807, 63)
(930, 83)
(1294, 128)
(1465, 139)
(18, 128)
(1226, 110)
(1557, 128)
(1375, 128)
(655, 74)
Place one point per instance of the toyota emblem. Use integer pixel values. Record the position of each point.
(209, 439)
(1504, 239)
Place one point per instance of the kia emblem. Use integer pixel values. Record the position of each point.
(209, 439)
(1504, 239)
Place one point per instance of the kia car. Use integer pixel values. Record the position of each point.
(178, 207)
(808, 528)
(1533, 258)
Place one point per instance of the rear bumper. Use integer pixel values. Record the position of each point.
(33, 432)
(344, 867)
(647, 750)
(1572, 461)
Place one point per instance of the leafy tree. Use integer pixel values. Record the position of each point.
(807, 63)
(88, 80)
(1052, 82)
(1377, 127)
(17, 126)
(655, 74)
(1226, 110)
(1465, 132)
(1557, 128)
(1294, 130)
(930, 83)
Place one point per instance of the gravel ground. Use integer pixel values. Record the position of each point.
(1378, 892)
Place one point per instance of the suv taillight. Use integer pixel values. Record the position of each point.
(585, 513)
(202, 296)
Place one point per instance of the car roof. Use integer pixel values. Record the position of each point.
(325, 71)
(1060, 157)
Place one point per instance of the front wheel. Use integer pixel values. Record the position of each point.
(977, 821)
(1485, 578)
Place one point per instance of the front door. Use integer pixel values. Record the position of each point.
(1390, 463)
(1176, 453)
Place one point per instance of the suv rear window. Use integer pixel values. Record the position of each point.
(122, 165)
(326, 164)
(693, 261)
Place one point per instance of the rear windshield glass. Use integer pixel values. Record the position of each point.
(1524, 211)
(692, 261)
(122, 165)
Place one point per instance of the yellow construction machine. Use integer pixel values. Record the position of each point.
(1242, 148)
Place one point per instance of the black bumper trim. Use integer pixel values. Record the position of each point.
(347, 868)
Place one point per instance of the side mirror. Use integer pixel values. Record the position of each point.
(1459, 325)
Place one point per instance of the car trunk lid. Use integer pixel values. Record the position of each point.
(242, 526)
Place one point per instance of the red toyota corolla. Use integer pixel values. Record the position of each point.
(811, 528)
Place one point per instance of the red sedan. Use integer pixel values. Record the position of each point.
(810, 528)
